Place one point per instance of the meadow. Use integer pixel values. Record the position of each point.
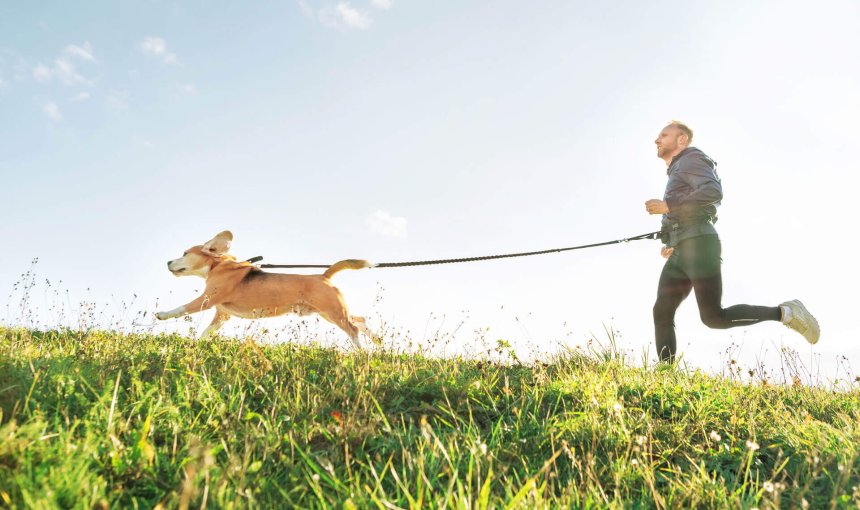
(100, 419)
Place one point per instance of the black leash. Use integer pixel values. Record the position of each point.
(649, 235)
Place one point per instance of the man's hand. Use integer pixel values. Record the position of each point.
(655, 206)
(666, 252)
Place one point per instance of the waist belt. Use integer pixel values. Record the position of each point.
(669, 233)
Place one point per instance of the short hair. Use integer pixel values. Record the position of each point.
(684, 129)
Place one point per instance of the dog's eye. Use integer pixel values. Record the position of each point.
(184, 254)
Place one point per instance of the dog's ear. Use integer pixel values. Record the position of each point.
(220, 244)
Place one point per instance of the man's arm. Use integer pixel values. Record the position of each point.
(656, 206)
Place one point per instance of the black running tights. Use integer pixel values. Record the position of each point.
(695, 265)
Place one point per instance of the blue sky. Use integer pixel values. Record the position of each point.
(396, 130)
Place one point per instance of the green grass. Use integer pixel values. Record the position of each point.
(103, 420)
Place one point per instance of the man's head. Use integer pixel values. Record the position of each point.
(674, 138)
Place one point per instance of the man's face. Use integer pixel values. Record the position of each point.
(668, 141)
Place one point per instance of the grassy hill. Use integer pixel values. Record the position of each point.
(102, 420)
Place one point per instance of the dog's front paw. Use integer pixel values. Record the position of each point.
(161, 316)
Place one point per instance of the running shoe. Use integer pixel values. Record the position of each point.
(802, 321)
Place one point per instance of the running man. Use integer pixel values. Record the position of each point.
(692, 248)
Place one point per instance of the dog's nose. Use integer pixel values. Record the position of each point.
(168, 264)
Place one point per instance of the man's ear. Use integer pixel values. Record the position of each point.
(219, 245)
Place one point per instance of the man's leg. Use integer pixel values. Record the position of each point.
(673, 288)
(700, 257)
(708, 296)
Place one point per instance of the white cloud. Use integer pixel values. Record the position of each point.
(382, 4)
(82, 96)
(65, 71)
(352, 17)
(84, 52)
(383, 223)
(154, 45)
(344, 15)
(52, 111)
(42, 73)
(157, 47)
(142, 142)
(189, 89)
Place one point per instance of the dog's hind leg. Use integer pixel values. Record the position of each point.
(351, 330)
(361, 324)
(342, 320)
(219, 319)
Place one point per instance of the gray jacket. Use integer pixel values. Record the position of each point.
(693, 193)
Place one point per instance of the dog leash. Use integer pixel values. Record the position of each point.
(649, 235)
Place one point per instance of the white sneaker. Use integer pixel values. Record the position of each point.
(802, 321)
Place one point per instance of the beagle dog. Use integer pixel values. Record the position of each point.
(243, 290)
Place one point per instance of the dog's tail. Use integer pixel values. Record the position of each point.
(346, 264)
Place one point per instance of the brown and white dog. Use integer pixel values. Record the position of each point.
(243, 290)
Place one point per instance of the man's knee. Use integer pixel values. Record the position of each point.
(713, 318)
